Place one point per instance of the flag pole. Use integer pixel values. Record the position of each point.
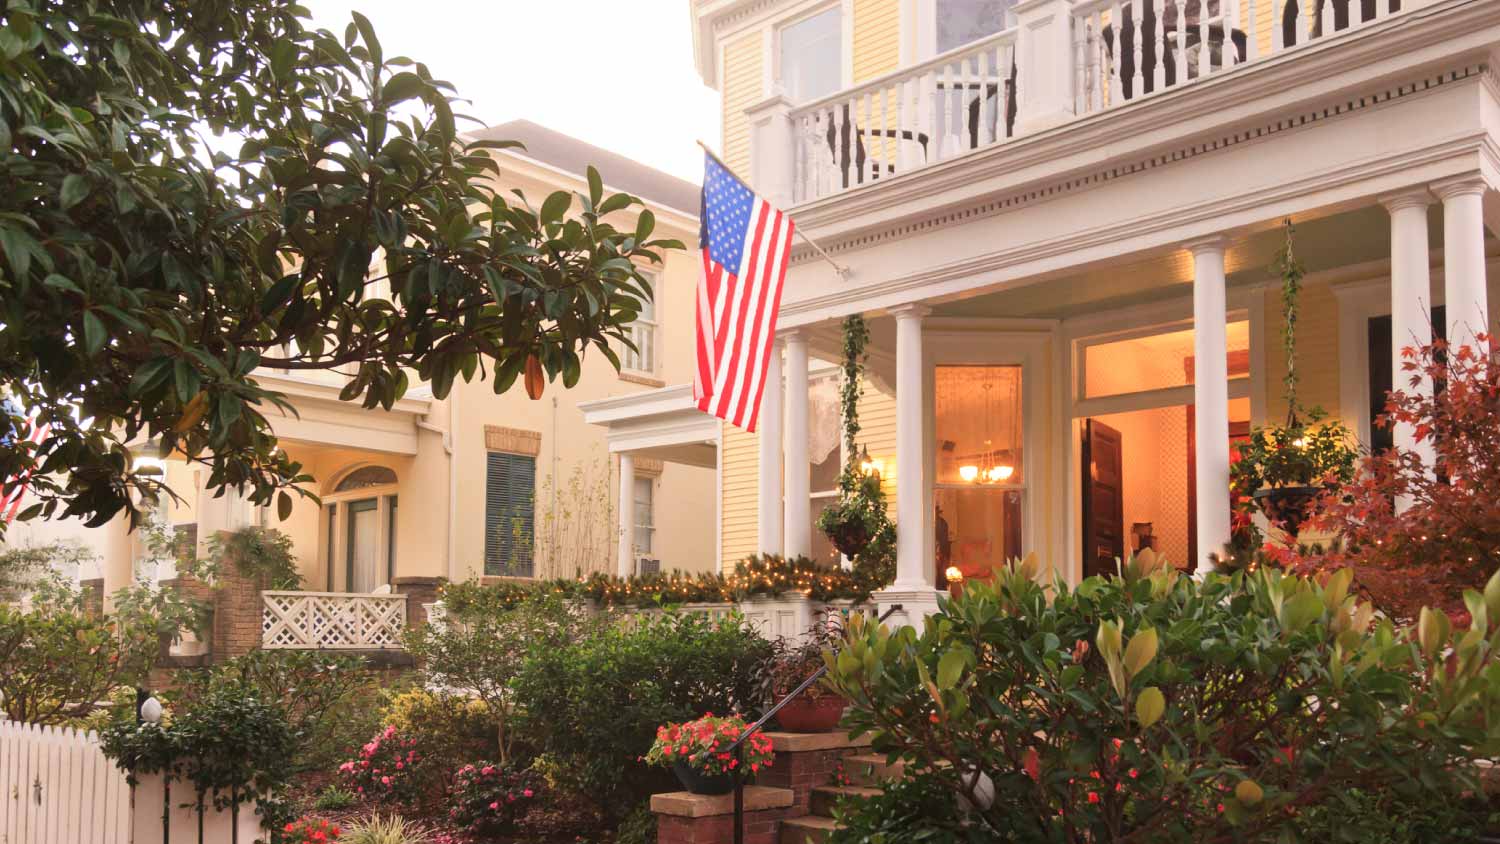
(842, 270)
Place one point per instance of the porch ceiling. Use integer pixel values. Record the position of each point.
(663, 423)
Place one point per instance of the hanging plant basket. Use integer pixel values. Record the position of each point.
(1288, 506)
(858, 519)
(847, 528)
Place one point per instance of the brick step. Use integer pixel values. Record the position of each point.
(871, 769)
(810, 829)
(825, 797)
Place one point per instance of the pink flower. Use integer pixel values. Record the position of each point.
(527, 792)
(487, 770)
(385, 780)
(495, 805)
(400, 764)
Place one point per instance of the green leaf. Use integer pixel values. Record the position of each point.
(1149, 706)
(555, 206)
(75, 189)
(596, 187)
(1140, 651)
(94, 333)
(401, 87)
(367, 32)
(950, 668)
(1303, 609)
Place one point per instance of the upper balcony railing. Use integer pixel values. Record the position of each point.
(1064, 59)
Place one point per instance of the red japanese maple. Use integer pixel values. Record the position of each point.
(1446, 537)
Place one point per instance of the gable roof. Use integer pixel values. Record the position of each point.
(574, 156)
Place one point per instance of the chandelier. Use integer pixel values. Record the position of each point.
(994, 465)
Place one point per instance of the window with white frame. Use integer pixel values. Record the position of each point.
(811, 56)
(642, 333)
(960, 22)
(645, 515)
(980, 483)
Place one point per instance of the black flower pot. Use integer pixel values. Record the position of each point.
(1288, 506)
(700, 783)
(851, 537)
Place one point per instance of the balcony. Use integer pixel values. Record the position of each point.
(1065, 60)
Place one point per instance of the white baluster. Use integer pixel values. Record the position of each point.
(1117, 23)
(1252, 32)
(1205, 51)
(1008, 93)
(1080, 66)
(871, 143)
(1278, 43)
(1137, 35)
(851, 137)
(985, 133)
(1159, 45)
(926, 88)
(1382, 8)
(885, 137)
(1098, 67)
(1303, 30)
(903, 124)
(1229, 19)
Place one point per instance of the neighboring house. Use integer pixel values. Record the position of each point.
(480, 485)
(1062, 248)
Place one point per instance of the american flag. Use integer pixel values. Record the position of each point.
(10, 501)
(745, 245)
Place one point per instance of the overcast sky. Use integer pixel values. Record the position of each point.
(616, 73)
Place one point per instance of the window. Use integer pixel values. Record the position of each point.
(645, 516)
(825, 459)
(980, 480)
(509, 514)
(959, 22)
(812, 60)
(1155, 359)
(366, 477)
(642, 333)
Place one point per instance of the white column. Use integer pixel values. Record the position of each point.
(912, 571)
(625, 564)
(1411, 296)
(798, 520)
(1210, 398)
(1464, 283)
(770, 426)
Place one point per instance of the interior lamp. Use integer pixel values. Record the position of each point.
(968, 473)
(954, 574)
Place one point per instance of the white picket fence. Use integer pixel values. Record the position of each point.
(57, 787)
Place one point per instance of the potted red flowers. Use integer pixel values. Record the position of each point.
(698, 753)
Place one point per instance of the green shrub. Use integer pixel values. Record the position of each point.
(258, 552)
(594, 705)
(905, 811)
(449, 729)
(334, 798)
(639, 827)
(329, 699)
(1150, 706)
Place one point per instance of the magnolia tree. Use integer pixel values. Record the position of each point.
(1155, 707)
(338, 222)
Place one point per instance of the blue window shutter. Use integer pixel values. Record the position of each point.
(509, 514)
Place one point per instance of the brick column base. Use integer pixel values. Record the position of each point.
(419, 591)
(805, 761)
(684, 818)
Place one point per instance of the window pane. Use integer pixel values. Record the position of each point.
(962, 21)
(1156, 361)
(645, 517)
(811, 56)
(978, 425)
(976, 529)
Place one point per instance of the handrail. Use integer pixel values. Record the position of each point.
(870, 86)
(738, 745)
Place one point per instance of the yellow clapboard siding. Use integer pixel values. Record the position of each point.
(1317, 352)
(741, 88)
(877, 38)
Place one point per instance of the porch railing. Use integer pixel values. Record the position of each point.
(332, 620)
(1064, 59)
(959, 101)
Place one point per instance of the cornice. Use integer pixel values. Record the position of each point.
(1167, 220)
(1268, 86)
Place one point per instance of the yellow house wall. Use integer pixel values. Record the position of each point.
(743, 85)
(877, 38)
(1317, 352)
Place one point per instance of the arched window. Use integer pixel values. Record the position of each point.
(364, 477)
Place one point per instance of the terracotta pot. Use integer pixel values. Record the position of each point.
(700, 783)
(1288, 506)
(807, 715)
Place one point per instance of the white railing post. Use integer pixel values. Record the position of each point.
(1044, 41)
(773, 153)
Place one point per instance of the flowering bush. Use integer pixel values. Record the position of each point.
(1152, 706)
(309, 831)
(385, 767)
(702, 745)
(486, 798)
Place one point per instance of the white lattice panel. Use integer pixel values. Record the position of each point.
(336, 620)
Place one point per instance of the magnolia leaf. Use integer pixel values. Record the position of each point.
(1433, 629)
(1337, 589)
(1492, 594)
(1150, 704)
(1140, 651)
(1108, 639)
(1300, 611)
(950, 668)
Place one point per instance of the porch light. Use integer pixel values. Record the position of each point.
(968, 473)
(868, 466)
(954, 575)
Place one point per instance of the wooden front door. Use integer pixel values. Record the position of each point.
(1103, 493)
